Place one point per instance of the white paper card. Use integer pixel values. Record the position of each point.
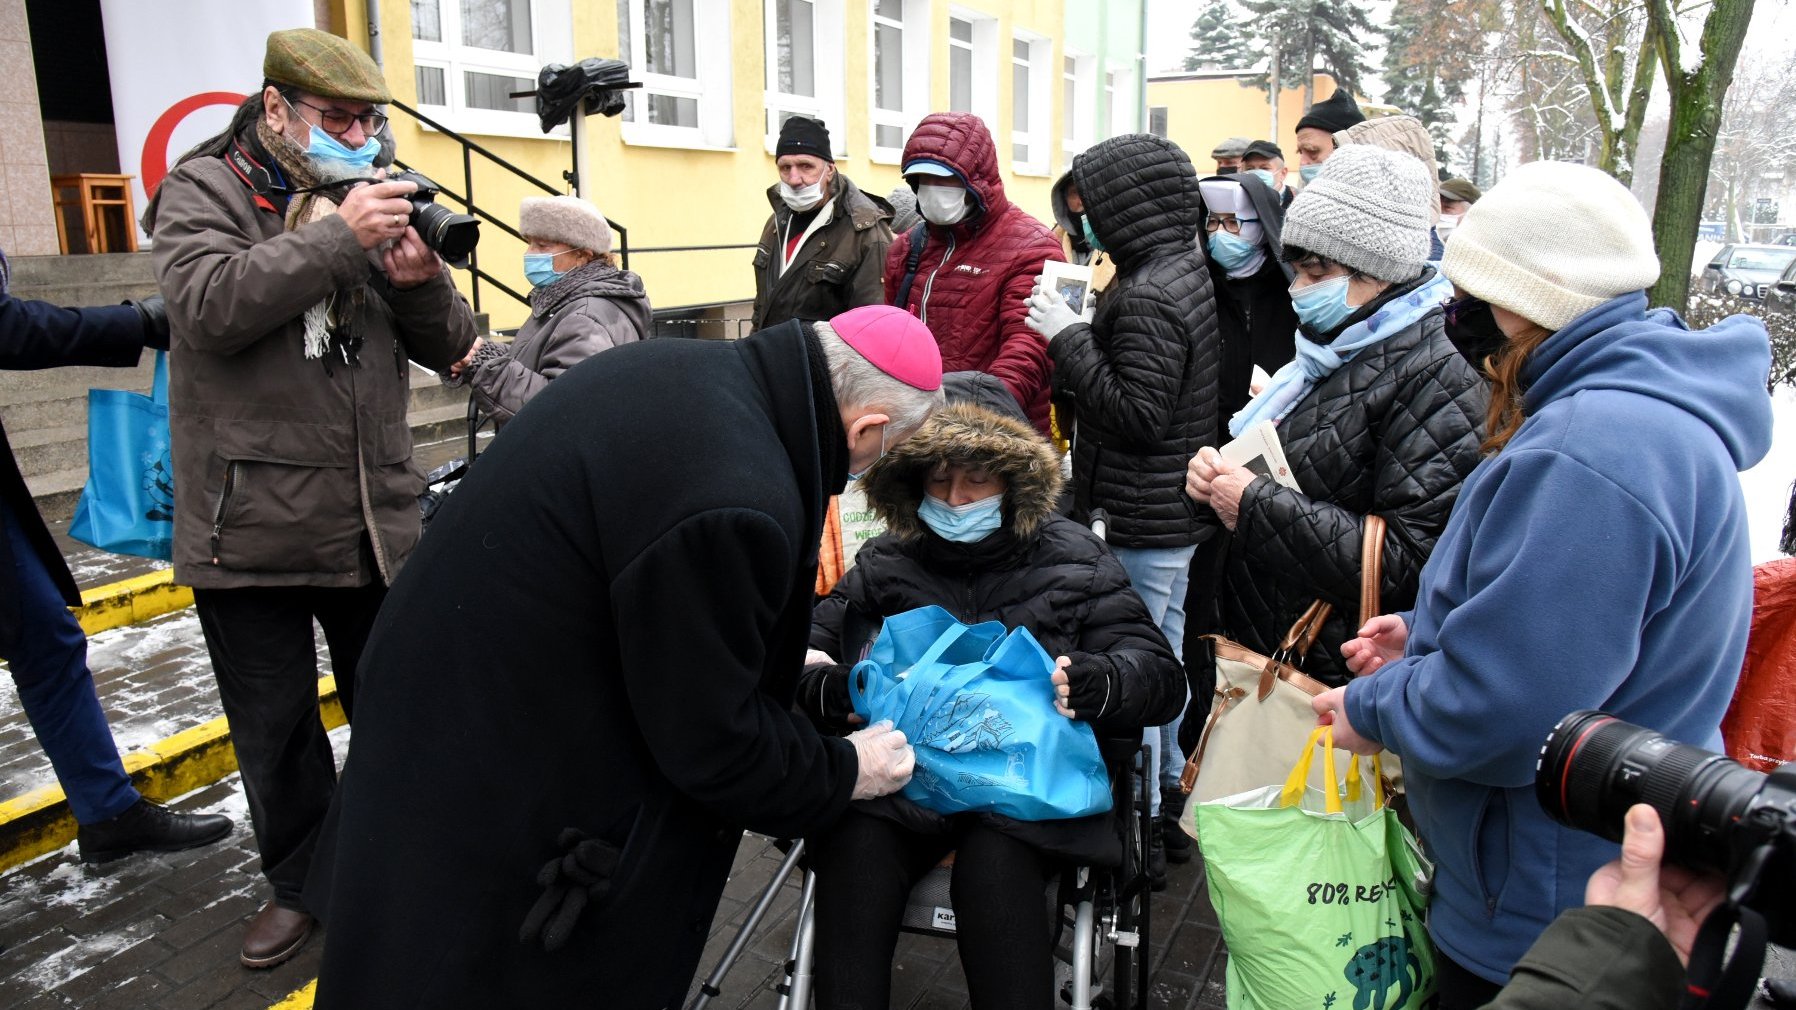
(1073, 282)
(1258, 449)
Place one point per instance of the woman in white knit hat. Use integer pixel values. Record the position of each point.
(1597, 558)
(581, 303)
(1378, 415)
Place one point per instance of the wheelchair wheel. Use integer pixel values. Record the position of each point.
(1129, 970)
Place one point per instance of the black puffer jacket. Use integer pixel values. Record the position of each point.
(1040, 571)
(1142, 377)
(1392, 432)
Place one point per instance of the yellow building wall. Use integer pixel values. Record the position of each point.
(682, 196)
(1203, 112)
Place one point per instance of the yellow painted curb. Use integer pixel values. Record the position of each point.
(40, 821)
(298, 999)
(129, 601)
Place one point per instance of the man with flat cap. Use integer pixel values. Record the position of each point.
(544, 800)
(296, 294)
(823, 249)
(1228, 155)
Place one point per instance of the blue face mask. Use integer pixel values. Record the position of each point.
(1322, 306)
(325, 147)
(1265, 176)
(963, 524)
(1091, 237)
(1232, 252)
(1309, 173)
(539, 268)
(853, 476)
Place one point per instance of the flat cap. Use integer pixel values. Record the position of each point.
(324, 65)
(1263, 149)
(1230, 148)
(1461, 190)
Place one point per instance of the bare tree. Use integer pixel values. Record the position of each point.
(1615, 48)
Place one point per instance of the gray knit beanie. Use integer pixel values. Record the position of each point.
(1368, 209)
(567, 219)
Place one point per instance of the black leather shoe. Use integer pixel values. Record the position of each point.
(148, 827)
(1174, 839)
(1156, 862)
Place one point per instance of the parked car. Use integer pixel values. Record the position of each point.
(1746, 271)
(1780, 295)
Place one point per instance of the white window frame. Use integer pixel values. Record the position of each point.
(1120, 94)
(828, 33)
(711, 89)
(1036, 132)
(1082, 115)
(915, 59)
(551, 29)
(984, 50)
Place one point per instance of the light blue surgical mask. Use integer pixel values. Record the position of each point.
(1265, 176)
(325, 147)
(1323, 305)
(539, 268)
(1309, 173)
(1091, 237)
(1231, 252)
(963, 524)
(853, 476)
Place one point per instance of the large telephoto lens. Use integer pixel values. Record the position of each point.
(1594, 767)
(452, 235)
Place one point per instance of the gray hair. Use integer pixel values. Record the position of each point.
(861, 384)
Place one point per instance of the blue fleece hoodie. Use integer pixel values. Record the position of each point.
(1598, 561)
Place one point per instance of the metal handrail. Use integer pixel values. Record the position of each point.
(466, 143)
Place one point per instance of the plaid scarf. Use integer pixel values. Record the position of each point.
(334, 325)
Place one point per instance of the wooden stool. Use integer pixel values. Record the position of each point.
(97, 194)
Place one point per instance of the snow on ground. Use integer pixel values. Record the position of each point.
(1767, 486)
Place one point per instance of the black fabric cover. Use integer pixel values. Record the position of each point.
(1142, 377)
(559, 89)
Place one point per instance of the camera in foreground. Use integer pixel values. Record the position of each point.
(1718, 815)
(450, 235)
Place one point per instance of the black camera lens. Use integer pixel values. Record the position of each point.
(1594, 767)
(452, 235)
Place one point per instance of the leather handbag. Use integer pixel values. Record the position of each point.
(1261, 714)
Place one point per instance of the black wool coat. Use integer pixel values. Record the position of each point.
(1393, 432)
(1143, 376)
(601, 633)
(1254, 313)
(37, 335)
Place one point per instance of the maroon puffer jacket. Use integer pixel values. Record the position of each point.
(974, 276)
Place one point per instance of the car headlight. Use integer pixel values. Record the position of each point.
(1749, 290)
(1733, 287)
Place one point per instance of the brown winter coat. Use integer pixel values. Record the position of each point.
(283, 464)
(837, 268)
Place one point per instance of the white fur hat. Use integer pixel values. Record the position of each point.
(565, 219)
(1552, 241)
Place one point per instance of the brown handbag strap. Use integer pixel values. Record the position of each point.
(1371, 569)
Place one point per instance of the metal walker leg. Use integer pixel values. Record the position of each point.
(710, 988)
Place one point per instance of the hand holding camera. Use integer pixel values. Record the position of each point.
(378, 212)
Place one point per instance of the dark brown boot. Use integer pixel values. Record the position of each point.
(274, 935)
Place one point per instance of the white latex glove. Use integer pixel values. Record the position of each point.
(886, 760)
(1049, 315)
(817, 657)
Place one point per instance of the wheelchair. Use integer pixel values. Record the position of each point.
(1101, 922)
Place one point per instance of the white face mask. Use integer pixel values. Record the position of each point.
(802, 198)
(942, 205)
(1446, 224)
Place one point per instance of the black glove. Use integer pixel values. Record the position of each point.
(155, 321)
(580, 876)
(1091, 687)
(826, 698)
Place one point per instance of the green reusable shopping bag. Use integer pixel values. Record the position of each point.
(1320, 893)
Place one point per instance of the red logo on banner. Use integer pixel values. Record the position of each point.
(154, 163)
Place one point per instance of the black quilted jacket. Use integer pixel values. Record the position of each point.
(1142, 378)
(1392, 432)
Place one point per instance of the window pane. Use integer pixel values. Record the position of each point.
(1070, 108)
(960, 31)
(888, 68)
(1019, 49)
(671, 111)
(490, 91)
(432, 88)
(1072, 66)
(960, 79)
(502, 25)
(623, 53)
(1019, 154)
(668, 39)
(893, 9)
(427, 21)
(1156, 120)
(888, 136)
(1019, 95)
(793, 47)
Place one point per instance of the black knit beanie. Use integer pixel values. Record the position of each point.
(802, 135)
(1336, 113)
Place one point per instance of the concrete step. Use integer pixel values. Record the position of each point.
(41, 271)
(59, 383)
(45, 450)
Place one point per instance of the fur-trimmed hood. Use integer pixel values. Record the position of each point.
(963, 433)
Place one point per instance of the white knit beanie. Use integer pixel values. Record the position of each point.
(566, 219)
(1369, 209)
(1552, 241)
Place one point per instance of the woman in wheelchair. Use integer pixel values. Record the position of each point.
(968, 504)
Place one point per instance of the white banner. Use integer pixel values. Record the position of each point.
(180, 68)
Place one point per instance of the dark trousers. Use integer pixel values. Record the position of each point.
(865, 867)
(1458, 989)
(266, 665)
(48, 659)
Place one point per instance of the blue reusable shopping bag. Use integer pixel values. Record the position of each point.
(128, 505)
(977, 704)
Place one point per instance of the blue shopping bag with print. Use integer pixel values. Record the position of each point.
(128, 505)
(977, 704)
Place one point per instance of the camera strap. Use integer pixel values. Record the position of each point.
(1715, 981)
(270, 196)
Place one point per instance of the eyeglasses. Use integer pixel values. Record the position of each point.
(336, 122)
(1232, 225)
